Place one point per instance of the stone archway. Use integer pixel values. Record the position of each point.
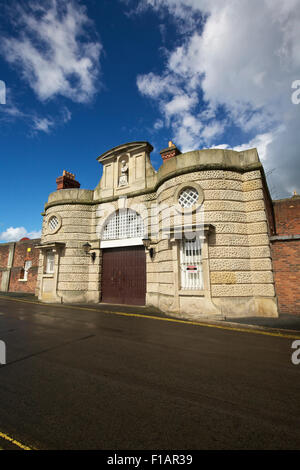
(123, 259)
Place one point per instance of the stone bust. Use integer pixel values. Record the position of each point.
(123, 181)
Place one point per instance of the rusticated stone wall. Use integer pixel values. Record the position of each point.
(237, 265)
(239, 250)
(77, 278)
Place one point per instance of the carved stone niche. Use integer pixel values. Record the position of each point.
(123, 171)
(126, 169)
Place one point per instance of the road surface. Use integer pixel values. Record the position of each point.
(84, 379)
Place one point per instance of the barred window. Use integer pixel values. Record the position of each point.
(125, 223)
(188, 197)
(53, 223)
(191, 265)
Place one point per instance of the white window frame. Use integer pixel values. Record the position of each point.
(188, 197)
(50, 262)
(123, 224)
(52, 230)
(25, 269)
(27, 266)
(191, 270)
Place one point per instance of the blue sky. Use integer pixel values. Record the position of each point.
(85, 76)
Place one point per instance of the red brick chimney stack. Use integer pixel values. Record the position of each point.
(170, 152)
(67, 181)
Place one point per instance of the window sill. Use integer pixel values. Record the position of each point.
(48, 275)
(189, 292)
(22, 280)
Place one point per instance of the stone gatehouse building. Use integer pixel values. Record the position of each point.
(192, 238)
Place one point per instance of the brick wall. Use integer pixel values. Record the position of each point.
(4, 250)
(15, 285)
(286, 254)
(22, 251)
(286, 263)
(287, 216)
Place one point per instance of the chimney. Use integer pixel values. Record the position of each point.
(67, 181)
(170, 152)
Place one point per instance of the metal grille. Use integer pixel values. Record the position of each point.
(53, 223)
(190, 264)
(188, 197)
(124, 224)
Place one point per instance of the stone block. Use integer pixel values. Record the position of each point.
(256, 216)
(223, 277)
(252, 185)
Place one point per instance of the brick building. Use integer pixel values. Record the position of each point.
(285, 245)
(19, 266)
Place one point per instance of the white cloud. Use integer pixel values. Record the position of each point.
(212, 130)
(244, 59)
(53, 51)
(66, 114)
(154, 86)
(42, 124)
(10, 112)
(180, 104)
(260, 142)
(158, 124)
(13, 234)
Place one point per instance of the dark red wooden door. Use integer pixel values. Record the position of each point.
(124, 275)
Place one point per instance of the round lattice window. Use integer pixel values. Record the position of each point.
(188, 197)
(53, 223)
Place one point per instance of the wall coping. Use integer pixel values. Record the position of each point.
(199, 160)
(284, 238)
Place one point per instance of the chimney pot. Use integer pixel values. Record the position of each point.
(67, 181)
(170, 152)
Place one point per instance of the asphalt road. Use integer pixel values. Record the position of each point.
(79, 379)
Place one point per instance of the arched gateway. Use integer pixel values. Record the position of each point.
(123, 259)
(226, 270)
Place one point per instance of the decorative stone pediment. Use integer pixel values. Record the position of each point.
(131, 147)
(180, 231)
(126, 169)
(55, 246)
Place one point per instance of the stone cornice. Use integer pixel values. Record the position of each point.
(128, 147)
(161, 180)
(51, 245)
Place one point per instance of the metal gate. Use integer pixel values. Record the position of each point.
(124, 275)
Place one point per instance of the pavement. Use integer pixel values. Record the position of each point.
(284, 322)
(83, 378)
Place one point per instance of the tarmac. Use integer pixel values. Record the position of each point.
(285, 322)
(94, 377)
